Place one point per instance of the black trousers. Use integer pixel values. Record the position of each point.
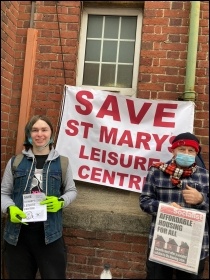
(159, 271)
(31, 253)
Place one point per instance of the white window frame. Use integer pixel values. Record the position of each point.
(82, 44)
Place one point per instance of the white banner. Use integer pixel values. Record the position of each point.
(178, 237)
(112, 139)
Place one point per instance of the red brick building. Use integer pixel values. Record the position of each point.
(44, 46)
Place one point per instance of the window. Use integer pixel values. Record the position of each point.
(109, 50)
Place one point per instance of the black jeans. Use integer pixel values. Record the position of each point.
(159, 271)
(31, 253)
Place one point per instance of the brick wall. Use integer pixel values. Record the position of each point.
(161, 75)
(88, 251)
(49, 76)
(9, 22)
(163, 59)
(164, 49)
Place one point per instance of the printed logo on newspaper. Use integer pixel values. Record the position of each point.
(182, 212)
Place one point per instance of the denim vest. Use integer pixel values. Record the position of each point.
(52, 176)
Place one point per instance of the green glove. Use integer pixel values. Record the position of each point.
(53, 203)
(16, 214)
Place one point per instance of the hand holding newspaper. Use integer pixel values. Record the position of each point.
(178, 237)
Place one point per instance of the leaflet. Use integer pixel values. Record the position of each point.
(178, 237)
(32, 208)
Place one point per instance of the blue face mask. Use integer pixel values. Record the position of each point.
(30, 140)
(184, 160)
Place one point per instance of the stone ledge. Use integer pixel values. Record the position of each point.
(87, 219)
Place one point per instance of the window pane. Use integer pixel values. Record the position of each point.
(94, 26)
(111, 27)
(91, 74)
(128, 28)
(109, 48)
(110, 42)
(93, 48)
(109, 51)
(125, 75)
(107, 75)
(126, 53)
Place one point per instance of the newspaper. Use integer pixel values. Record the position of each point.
(32, 208)
(178, 237)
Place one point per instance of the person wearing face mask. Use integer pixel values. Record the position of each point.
(181, 183)
(36, 246)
